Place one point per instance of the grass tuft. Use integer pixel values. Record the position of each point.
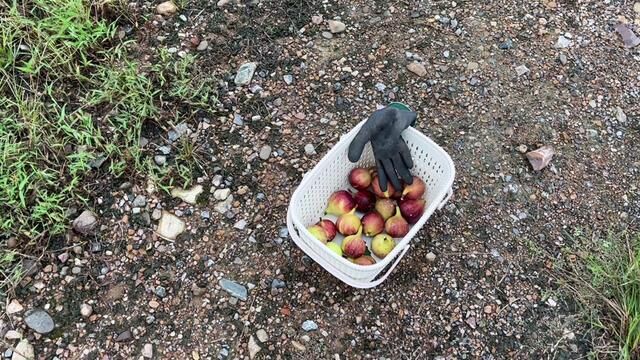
(71, 104)
(605, 279)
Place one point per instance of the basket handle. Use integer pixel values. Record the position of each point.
(293, 232)
(446, 199)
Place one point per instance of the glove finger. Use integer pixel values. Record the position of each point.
(382, 177)
(391, 174)
(405, 152)
(402, 170)
(357, 144)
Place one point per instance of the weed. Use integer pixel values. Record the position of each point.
(66, 104)
(605, 279)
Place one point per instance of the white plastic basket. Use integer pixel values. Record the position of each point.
(431, 163)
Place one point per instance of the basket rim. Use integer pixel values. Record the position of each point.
(401, 243)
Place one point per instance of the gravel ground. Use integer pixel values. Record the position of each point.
(489, 80)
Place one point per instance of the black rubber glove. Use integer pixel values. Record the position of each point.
(393, 158)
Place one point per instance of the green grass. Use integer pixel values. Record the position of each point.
(69, 96)
(605, 279)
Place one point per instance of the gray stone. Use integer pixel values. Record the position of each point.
(628, 36)
(237, 120)
(283, 232)
(327, 35)
(521, 70)
(179, 131)
(234, 289)
(170, 226)
(417, 68)
(240, 225)
(265, 152)
(336, 26)
(217, 180)
(160, 160)
(161, 292)
(620, 115)
(309, 325)
(205, 214)
(95, 247)
(125, 185)
(256, 89)
(245, 73)
(309, 149)
(165, 149)
(563, 59)
(563, 42)
(85, 223)
(166, 8)
(288, 79)
(380, 87)
(221, 194)
(147, 351)
(254, 349)
(76, 270)
(204, 45)
(156, 214)
(189, 196)
(39, 321)
(23, 351)
(14, 307)
(224, 206)
(454, 23)
(262, 335)
(124, 336)
(278, 284)
(150, 319)
(508, 44)
(86, 310)
(139, 201)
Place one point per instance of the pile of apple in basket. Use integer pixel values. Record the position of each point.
(387, 215)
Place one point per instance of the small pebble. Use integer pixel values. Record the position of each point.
(240, 225)
(161, 292)
(277, 284)
(262, 335)
(160, 160)
(309, 325)
(86, 310)
(327, 35)
(309, 149)
(265, 152)
(204, 45)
